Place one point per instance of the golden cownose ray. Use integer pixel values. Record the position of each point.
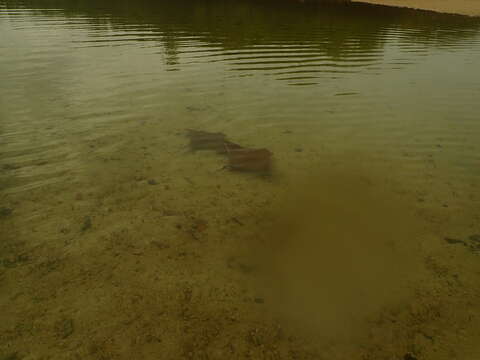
(239, 157)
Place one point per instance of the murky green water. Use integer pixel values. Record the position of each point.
(95, 170)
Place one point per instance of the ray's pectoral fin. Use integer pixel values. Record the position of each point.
(250, 160)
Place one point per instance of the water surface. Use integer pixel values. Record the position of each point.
(95, 170)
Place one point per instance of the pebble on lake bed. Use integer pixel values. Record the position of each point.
(5, 211)
(64, 328)
(87, 224)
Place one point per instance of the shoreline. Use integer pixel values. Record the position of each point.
(459, 7)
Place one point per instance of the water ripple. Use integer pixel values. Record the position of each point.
(78, 79)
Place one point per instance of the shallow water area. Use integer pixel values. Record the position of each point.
(119, 241)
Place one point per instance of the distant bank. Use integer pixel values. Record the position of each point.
(463, 7)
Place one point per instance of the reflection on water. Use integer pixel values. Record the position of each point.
(111, 221)
(296, 42)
